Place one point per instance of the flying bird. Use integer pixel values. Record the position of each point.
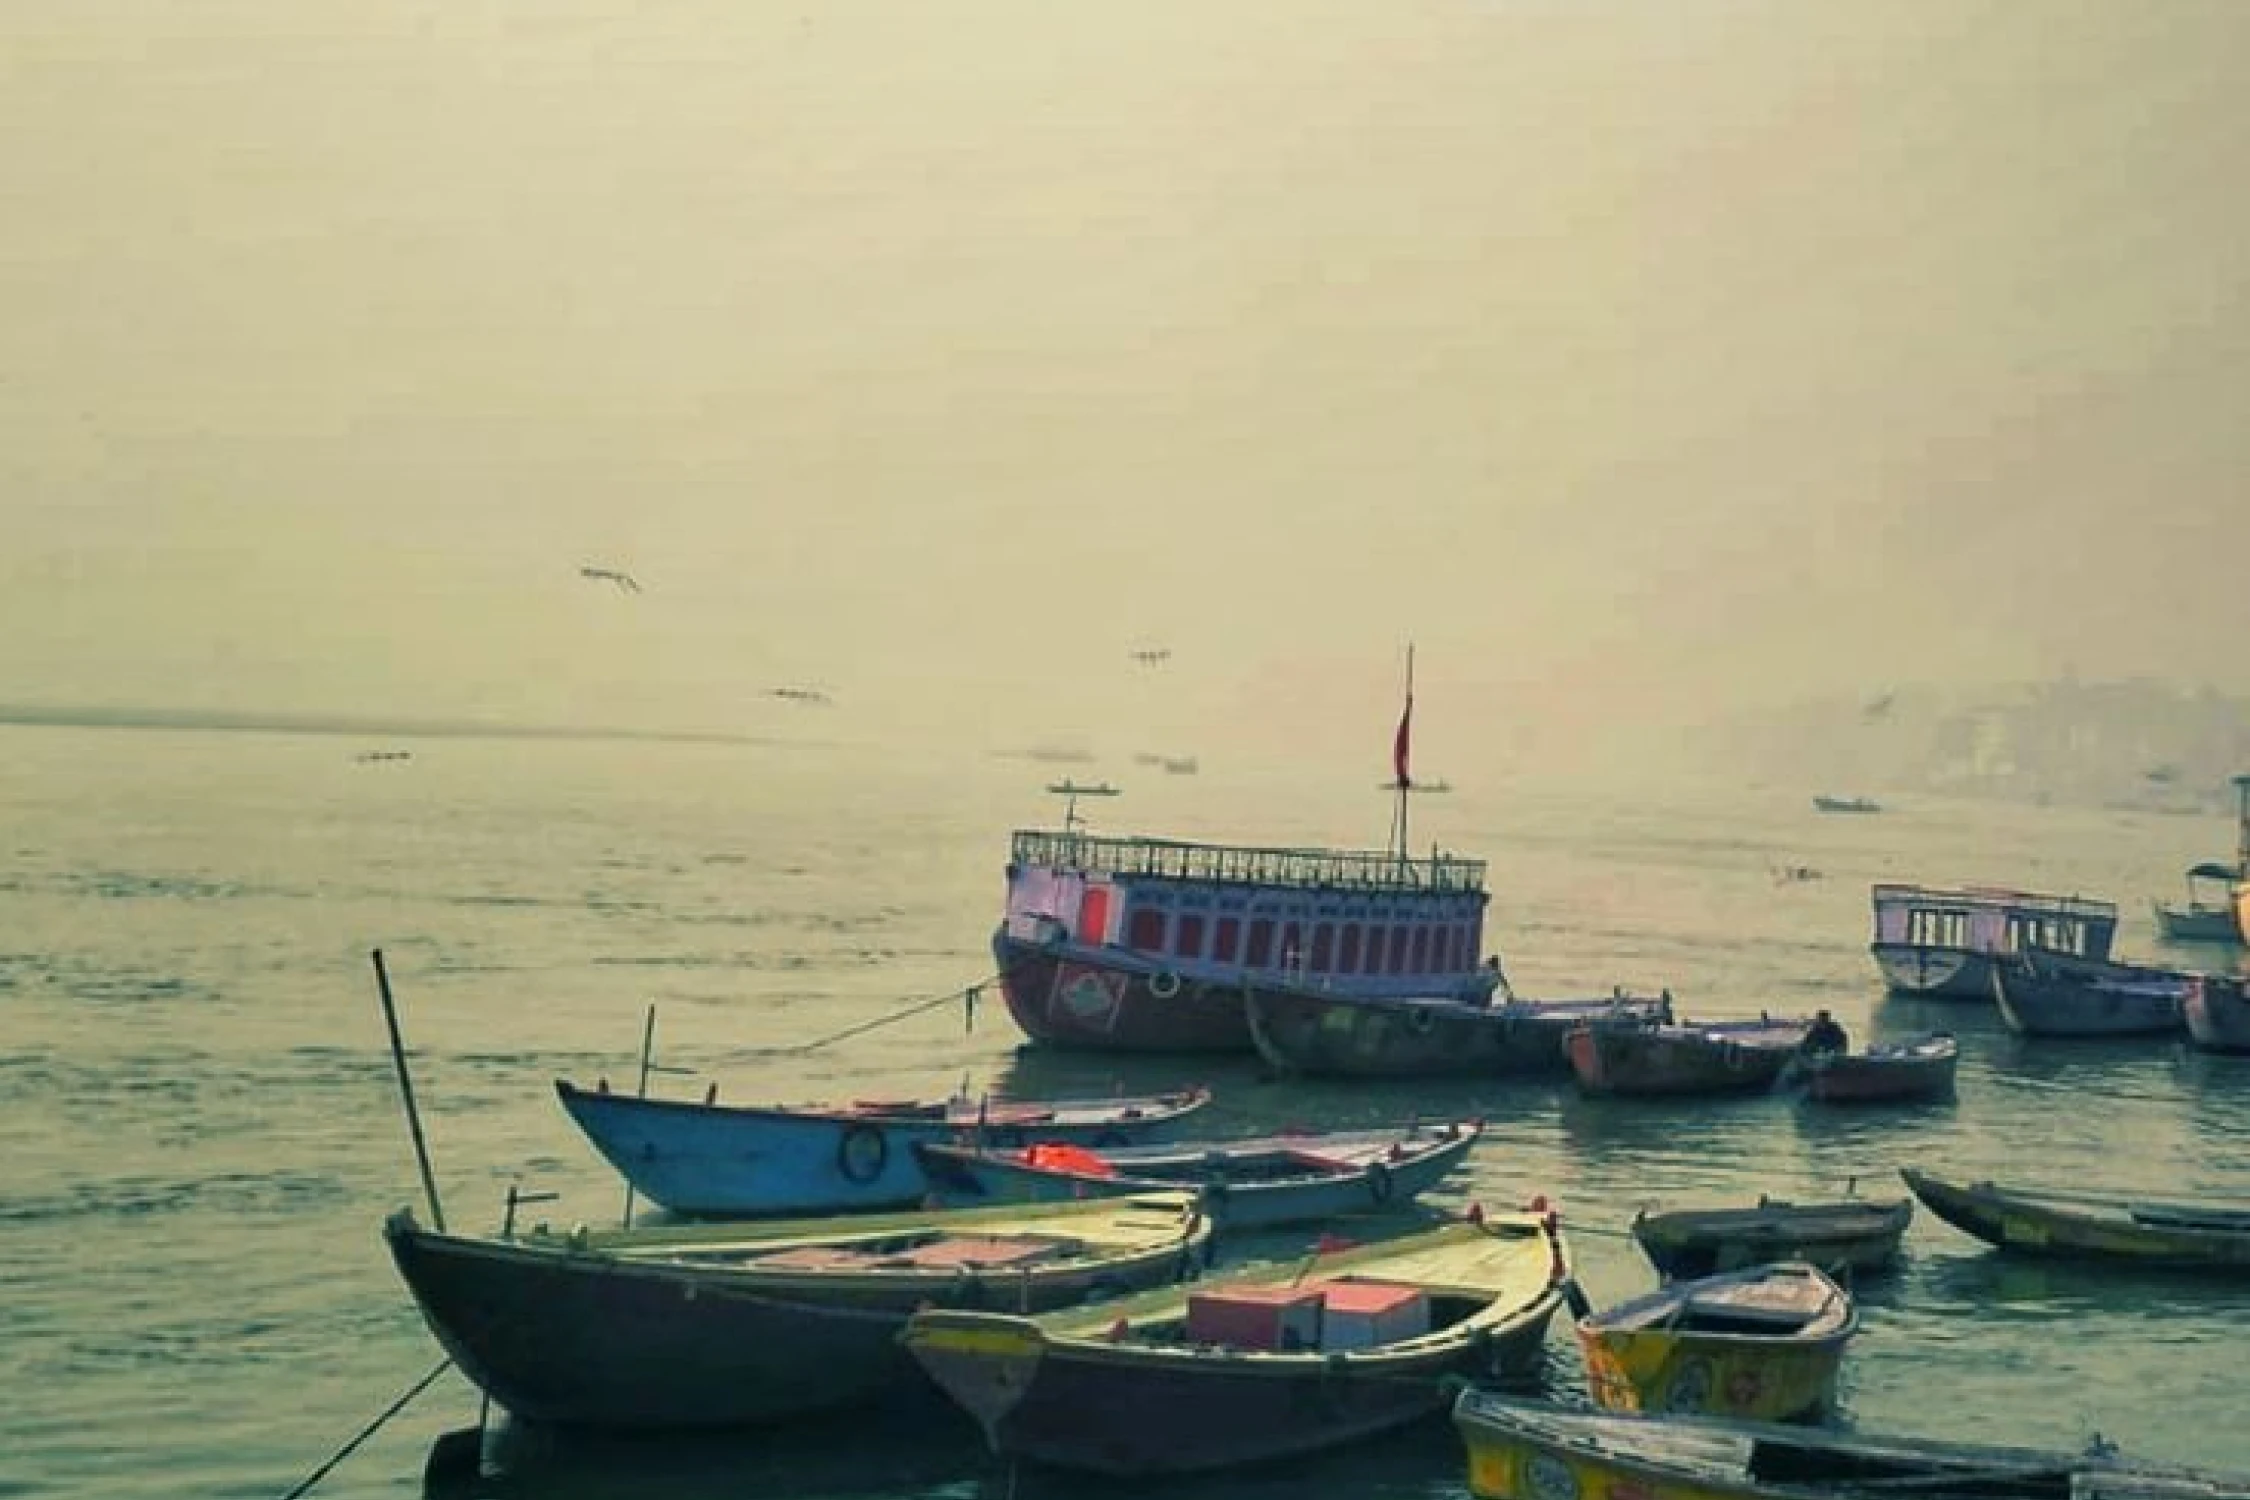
(623, 580)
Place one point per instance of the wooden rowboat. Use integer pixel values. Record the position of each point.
(710, 1325)
(2046, 994)
(1917, 1068)
(2041, 1221)
(1254, 1182)
(725, 1160)
(1270, 1361)
(1848, 1235)
(1324, 1034)
(1531, 1450)
(1694, 1057)
(1763, 1343)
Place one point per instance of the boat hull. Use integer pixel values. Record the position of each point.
(590, 1340)
(1105, 1403)
(2198, 924)
(1534, 1450)
(2150, 1235)
(1704, 1371)
(1858, 1237)
(2043, 998)
(1906, 1073)
(1934, 973)
(1324, 1035)
(1238, 1188)
(1062, 996)
(1676, 1060)
(725, 1161)
(2216, 1010)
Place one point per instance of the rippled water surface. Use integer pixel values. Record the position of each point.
(202, 1127)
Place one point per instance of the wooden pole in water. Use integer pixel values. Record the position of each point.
(640, 1091)
(406, 1091)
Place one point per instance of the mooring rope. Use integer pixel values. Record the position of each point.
(968, 995)
(416, 1389)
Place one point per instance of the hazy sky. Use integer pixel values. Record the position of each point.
(1626, 356)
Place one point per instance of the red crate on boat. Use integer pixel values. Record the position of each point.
(1277, 1318)
(1362, 1314)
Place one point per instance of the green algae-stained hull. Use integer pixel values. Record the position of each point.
(2028, 1221)
(594, 1338)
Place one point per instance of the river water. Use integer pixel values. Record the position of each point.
(203, 1128)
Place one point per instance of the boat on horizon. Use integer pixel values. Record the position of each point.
(1822, 802)
(1941, 942)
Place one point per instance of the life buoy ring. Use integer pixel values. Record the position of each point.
(1165, 985)
(1379, 1184)
(863, 1153)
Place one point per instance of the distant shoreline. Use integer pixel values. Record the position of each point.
(218, 721)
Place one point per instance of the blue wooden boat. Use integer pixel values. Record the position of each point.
(1323, 1033)
(2047, 994)
(708, 1325)
(1254, 1182)
(724, 1160)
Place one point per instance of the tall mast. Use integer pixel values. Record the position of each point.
(1402, 782)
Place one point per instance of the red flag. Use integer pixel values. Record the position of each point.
(1399, 745)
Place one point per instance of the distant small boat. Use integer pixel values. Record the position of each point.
(2045, 994)
(1535, 1450)
(2208, 914)
(702, 1157)
(1763, 1343)
(1324, 1034)
(2050, 1222)
(1941, 942)
(1260, 1363)
(1845, 1235)
(1692, 1057)
(714, 1325)
(1914, 1068)
(2216, 1010)
(1827, 804)
(1254, 1182)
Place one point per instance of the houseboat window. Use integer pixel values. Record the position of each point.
(1398, 948)
(1448, 955)
(1348, 961)
(1374, 963)
(1938, 929)
(1147, 930)
(1260, 954)
(1292, 946)
(1323, 947)
(1226, 940)
(1418, 957)
(1187, 937)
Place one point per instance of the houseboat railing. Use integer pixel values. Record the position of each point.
(2079, 908)
(1319, 869)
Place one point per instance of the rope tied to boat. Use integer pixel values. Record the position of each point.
(416, 1389)
(967, 996)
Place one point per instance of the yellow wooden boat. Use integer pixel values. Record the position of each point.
(1764, 1343)
(1531, 1450)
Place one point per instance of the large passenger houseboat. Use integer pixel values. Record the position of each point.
(1147, 945)
(1139, 944)
(1934, 941)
